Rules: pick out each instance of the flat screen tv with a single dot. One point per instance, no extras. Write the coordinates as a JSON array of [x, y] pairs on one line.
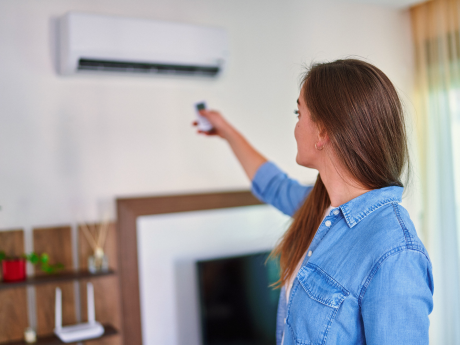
[[237, 305]]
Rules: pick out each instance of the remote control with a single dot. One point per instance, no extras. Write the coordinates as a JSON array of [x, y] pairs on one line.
[[203, 124]]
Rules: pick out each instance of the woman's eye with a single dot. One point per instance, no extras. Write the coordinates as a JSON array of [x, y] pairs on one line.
[[296, 112]]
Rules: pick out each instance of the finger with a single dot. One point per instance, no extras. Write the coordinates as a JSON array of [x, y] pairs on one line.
[[206, 113], [208, 133]]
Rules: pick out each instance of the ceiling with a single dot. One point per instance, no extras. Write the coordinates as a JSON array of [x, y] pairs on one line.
[[388, 3]]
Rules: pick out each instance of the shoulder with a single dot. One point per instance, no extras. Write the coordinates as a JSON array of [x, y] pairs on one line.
[[371, 246], [399, 253], [390, 229]]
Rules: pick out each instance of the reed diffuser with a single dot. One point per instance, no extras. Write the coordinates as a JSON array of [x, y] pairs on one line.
[[97, 262]]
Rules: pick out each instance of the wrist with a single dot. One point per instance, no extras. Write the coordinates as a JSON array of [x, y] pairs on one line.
[[230, 133]]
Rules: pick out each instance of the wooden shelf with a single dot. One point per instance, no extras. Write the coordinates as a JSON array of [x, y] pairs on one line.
[[53, 340], [54, 278]]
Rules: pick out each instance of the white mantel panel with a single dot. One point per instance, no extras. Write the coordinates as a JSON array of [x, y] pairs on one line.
[[168, 247]]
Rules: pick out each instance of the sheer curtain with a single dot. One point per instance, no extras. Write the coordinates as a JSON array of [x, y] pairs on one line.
[[437, 51]]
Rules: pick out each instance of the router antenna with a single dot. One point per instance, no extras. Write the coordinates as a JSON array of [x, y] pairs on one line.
[[58, 309], [90, 300], [81, 331]]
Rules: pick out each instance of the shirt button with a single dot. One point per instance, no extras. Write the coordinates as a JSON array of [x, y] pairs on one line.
[[328, 223], [284, 320], [336, 212], [310, 253]]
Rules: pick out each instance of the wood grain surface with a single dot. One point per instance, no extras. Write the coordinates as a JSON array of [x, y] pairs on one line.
[[106, 289], [13, 302], [57, 243]]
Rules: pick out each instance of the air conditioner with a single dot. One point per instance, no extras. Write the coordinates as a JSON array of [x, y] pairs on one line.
[[99, 43]]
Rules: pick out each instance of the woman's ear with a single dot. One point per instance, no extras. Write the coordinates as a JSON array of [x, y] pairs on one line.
[[323, 137]]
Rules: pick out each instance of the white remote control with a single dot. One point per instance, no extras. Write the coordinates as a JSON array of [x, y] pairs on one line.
[[203, 124]]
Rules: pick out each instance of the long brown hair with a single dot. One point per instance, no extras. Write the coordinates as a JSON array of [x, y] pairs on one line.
[[359, 108]]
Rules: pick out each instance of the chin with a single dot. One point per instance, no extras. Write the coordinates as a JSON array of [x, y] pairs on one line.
[[303, 162], [299, 161]]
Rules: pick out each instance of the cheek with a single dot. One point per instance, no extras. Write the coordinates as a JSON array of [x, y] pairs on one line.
[[296, 132], [299, 134]]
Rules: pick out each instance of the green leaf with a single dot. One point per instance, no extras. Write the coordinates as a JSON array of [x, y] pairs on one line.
[[50, 269], [2, 255], [44, 258], [47, 269], [33, 258]]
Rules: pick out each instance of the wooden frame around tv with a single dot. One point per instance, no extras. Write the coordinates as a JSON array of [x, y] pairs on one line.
[[128, 209]]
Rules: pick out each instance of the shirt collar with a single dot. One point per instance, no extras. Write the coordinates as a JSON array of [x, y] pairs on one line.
[[360, 207]]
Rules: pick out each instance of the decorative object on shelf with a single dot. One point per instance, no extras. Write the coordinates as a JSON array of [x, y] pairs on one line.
[[14, 268], [43, 261], [97, 262], [30, 336], [82, 331]]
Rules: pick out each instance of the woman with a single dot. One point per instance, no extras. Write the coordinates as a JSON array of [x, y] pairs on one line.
[[353, 270]]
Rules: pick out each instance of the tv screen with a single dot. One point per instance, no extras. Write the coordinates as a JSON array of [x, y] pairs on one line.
[[237, 305]]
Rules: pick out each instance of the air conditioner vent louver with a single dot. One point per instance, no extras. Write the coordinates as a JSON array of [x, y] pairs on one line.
[[136, 67]]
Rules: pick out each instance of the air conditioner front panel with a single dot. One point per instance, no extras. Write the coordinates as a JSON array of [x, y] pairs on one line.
[[96, 37]]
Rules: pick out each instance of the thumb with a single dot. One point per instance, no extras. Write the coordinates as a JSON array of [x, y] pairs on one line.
[[205, 113]]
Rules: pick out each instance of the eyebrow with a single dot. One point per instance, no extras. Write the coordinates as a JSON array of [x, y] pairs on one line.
[[298, 101]]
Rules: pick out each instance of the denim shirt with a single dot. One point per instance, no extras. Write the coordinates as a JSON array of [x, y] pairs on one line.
[[369, 279]]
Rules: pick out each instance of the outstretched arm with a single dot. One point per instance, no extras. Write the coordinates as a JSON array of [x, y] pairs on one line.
[[249, 158], [269, 183]]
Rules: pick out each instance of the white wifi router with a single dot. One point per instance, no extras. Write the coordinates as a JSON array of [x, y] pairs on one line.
[[82, 331]]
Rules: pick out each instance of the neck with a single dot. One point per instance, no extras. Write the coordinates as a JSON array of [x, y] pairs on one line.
[[340, 187]]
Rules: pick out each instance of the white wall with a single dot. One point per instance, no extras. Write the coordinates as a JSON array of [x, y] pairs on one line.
[[70, 145]]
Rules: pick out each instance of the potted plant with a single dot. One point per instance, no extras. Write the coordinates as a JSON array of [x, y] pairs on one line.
[[14, 268]]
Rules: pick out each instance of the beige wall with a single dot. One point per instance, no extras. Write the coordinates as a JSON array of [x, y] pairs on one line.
[[70, 145]]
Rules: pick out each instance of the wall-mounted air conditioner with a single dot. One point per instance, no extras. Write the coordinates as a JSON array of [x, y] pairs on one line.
[[99, 43]]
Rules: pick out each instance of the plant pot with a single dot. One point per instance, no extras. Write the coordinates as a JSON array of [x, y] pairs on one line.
[[14, 269]]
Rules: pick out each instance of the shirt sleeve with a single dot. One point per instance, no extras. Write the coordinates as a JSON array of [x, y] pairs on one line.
[[398, 300], [272, 186]]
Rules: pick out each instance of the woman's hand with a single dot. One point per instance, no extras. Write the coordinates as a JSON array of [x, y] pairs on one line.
[[220, 126]]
